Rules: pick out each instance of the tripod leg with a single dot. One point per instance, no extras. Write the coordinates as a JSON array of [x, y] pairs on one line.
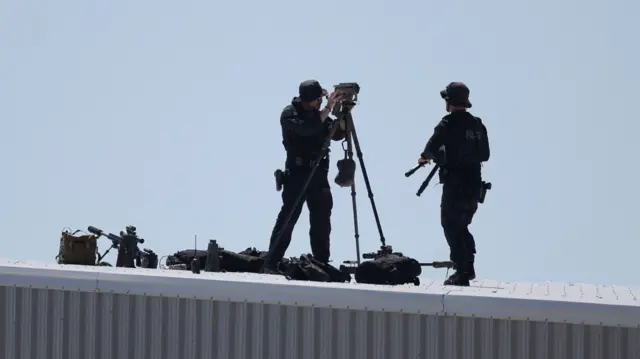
[[356, 144], [353, 194], [314, 167]]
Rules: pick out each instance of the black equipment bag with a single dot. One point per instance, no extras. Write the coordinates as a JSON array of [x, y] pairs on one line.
[[185, 257], [250, 260], [309, 269], [390, 269], [336, 275]]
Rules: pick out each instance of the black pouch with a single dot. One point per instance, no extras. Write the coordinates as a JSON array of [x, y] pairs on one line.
[[486, 186], [280, 177], [346, 172]]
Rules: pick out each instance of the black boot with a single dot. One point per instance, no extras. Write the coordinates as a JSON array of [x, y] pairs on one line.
[[472, 271], [269, 268], [458, 278]]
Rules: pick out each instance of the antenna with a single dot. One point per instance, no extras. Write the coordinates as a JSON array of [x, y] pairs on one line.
[[195, 263]]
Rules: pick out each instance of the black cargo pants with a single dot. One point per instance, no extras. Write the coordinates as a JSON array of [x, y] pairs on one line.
[[459, 205], [320, 204]]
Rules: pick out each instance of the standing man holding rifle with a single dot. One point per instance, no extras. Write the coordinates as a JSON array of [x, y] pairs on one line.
[[458, 146]]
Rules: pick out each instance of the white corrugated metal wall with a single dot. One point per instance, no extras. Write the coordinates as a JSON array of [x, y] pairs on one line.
[[54, 324]]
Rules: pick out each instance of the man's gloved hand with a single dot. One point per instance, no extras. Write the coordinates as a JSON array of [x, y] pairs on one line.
[[332, 99], [423, 161]]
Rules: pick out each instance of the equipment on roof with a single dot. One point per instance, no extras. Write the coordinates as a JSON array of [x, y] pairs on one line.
[[129, 254], [217, 259], [307, 268], [251, 260], [78, 250], [389, 268], [348, 93], [386, 267], [183, 260]]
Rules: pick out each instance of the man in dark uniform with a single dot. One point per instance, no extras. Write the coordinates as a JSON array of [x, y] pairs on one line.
[[459, 145], [305, 128]]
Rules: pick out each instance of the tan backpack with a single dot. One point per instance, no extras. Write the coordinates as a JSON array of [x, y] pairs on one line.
[[79, 250]]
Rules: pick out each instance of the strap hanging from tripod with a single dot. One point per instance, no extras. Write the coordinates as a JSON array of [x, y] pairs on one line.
[[346, 150]]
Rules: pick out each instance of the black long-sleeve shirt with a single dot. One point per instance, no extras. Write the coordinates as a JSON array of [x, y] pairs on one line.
[[303, 133]]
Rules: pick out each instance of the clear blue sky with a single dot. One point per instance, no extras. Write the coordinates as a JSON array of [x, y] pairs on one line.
[[165, 115]]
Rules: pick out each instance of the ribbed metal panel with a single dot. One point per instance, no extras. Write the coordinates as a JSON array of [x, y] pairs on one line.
[[54, 324]]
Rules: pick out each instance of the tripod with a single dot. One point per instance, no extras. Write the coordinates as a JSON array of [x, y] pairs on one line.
[[351, 139]]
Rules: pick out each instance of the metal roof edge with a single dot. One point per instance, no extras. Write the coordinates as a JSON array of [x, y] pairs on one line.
[[255, 288]]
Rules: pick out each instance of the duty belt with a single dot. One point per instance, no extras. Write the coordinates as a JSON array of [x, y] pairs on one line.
[[299, 161], [304, 161], [281, 176]]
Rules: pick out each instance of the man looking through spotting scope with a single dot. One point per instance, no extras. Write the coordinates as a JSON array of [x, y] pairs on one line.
[[458, 146], [305, 129]]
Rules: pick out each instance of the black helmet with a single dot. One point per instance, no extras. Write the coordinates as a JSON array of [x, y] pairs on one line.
[[311, 90], [456, 94]]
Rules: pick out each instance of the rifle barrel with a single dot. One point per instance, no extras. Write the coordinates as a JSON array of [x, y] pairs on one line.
[[424, 184], [95, 230], [410, 172]]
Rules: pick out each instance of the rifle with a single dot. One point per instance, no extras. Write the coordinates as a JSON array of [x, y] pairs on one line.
[[425, 183], [444, 264], [129, 253], [351, 266]]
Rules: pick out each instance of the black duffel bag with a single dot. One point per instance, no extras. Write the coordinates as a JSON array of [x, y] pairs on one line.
[[250, 260], [182, 259], [309, 269], [389, 269]]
